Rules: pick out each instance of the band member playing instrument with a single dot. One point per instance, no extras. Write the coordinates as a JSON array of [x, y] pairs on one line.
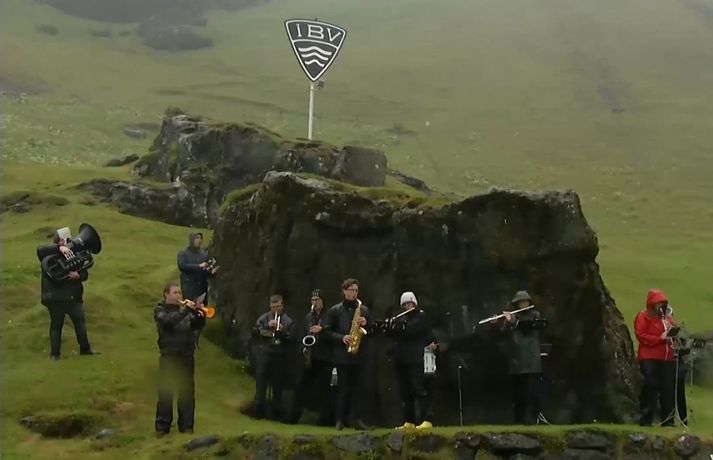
[[64, 297], [654, 330], [193, 262], [412, 332], [273, 330], [318, 364], [176, 326], [338, 324], [525, 363]]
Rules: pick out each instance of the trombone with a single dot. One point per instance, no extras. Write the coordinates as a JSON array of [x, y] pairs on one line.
[[208, 312]]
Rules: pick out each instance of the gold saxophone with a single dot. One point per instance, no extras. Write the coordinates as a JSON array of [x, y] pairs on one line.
[[356, 331]]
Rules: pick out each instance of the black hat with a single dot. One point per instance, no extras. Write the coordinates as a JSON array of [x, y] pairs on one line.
[[318, 293], [520, 295]]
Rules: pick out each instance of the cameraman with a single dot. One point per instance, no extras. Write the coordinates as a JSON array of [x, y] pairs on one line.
[[64, 297], [195, 269]]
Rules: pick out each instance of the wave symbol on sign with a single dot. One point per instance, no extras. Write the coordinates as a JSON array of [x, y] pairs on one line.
[[315, 44]]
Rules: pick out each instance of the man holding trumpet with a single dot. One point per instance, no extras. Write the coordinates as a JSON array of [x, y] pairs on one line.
[[273, 333], [176, 322]]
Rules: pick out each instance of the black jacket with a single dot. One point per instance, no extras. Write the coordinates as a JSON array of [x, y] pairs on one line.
[[522, 344], [412, 332], [337, 323], [322, 349], [265, 333], [194, 280], [176, 329], [60, 291]]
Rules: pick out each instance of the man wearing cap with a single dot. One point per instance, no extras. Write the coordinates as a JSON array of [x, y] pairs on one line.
[[64, 297], [525, 363], [317, 371], [412, 333]]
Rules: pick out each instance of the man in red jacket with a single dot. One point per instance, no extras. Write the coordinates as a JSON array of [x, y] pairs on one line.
[[657, 360]]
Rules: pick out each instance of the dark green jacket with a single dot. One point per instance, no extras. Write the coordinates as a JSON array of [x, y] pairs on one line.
[[522, 345]]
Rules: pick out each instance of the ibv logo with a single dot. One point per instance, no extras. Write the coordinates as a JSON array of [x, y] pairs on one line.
[[316, 44]]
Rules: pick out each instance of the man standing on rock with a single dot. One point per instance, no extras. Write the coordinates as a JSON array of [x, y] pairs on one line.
[[273, 330], [195, 269], [350, 372], [655, 330], [64, 297], [525, 363], [176, 341]]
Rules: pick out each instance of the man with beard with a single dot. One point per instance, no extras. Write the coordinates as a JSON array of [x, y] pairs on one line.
[[176, 343], [337, 325], [317, 372]]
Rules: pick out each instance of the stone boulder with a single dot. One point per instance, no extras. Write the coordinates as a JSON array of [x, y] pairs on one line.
[[463, 259], [194, 164]]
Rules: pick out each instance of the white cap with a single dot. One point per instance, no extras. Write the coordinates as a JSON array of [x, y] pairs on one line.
[[408, 297], [64, 233]]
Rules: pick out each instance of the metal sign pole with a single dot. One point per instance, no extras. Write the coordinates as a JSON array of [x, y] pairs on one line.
[[311, 110]]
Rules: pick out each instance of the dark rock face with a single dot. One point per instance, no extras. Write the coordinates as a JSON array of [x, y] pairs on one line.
[[464, 261], [202, 162], [355, 443], [588, 440], [687, 446], [115, 162], [201, 442], [512, 443], [174, 203]]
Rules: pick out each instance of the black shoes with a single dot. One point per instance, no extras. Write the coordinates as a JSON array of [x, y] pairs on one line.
[[90, 352], [360, 425], [54, 357], [187, 431]]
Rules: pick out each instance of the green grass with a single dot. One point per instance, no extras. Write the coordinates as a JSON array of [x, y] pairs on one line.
[[516, 93]]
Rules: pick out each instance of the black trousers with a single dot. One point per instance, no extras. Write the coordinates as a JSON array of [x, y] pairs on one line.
[[414, 394], [76, 313], [527, 395], [659, 386], [349, 391], [176, 376], [270, 371], [314, 384]]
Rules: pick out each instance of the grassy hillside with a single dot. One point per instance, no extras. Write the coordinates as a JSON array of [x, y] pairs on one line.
[[609, 98]]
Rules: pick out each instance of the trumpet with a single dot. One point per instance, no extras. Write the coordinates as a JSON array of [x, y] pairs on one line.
[[208, 312], [493, 318], [275, 338]]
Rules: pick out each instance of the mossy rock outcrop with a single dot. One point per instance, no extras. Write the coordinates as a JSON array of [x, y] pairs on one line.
[[464, 259]]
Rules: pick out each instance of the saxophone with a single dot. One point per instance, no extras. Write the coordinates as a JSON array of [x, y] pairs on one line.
[[356, 331]]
